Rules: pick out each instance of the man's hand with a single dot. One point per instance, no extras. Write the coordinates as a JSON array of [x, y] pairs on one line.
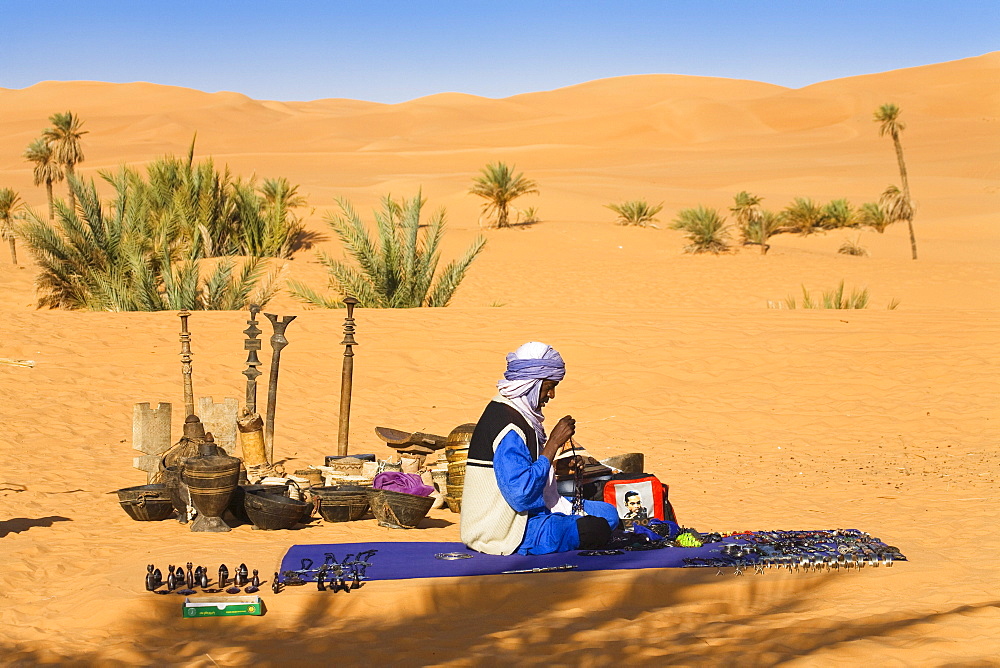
[[563, 431]]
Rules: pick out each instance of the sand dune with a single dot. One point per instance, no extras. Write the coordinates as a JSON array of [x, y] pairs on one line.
[[757, 418]]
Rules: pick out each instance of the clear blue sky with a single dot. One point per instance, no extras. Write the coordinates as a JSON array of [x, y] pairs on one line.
[[395, 51]]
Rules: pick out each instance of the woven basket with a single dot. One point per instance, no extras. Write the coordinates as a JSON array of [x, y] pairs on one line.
[[456, 479], [440, 478], [397, 510], [348, 465], [454, 505], [314, 476], [271, 512]]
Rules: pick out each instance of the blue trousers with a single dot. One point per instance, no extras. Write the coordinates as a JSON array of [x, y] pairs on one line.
[[549, 532]]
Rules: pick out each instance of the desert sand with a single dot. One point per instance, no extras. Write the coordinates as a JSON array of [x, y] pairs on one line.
[[886, 421]]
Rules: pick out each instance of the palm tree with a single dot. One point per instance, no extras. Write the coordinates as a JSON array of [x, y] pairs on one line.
[[47, 169], [636, 212], [746, 209], [895, 205], [10, 202], [704, 228], [119, 258], [888, 117], [64, 136], [396, 268], [499, 186]]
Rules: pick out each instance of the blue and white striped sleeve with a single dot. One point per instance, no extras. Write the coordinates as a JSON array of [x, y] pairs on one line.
[[521, 480]]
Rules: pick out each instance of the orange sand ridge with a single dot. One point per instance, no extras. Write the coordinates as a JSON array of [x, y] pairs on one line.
[[757, 418]]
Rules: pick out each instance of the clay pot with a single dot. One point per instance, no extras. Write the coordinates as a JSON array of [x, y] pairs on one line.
[[211, 478]]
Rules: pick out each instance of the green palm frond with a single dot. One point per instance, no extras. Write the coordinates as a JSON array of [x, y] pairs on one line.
[[393, 266], [704, 228], [636, 212]]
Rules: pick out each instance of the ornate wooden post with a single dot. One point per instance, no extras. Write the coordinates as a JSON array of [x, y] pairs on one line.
[[252, 345], [347, 377], [278, 342], [186, 363]]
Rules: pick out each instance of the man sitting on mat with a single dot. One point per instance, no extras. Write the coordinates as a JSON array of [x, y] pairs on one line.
[[510, 502]]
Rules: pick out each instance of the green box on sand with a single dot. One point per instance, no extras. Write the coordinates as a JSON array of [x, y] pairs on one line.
[[222, 606]]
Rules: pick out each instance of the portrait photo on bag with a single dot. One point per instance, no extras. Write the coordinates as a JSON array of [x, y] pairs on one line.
[[637, 500]]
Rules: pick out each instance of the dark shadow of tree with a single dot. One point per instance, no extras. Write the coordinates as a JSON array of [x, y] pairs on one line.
[[695, 624], [306, 239], [19, 524]]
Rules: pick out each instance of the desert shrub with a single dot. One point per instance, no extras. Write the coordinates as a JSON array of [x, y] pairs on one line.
[[396, 267], [636, 212], [832, 299], [704, 228], [804, 215], [852, 247], [839, 213], [761, 228], [872, 215], [529, 216], [123, 259]]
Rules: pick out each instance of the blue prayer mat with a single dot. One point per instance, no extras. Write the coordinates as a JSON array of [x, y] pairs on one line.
[[757, 550]]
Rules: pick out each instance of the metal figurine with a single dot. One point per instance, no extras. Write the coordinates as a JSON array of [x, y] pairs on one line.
[[278, 342], [252, 345], [357, 579], [186, 363], [320, 574], [275, 584], [203, 578], [223, 576], [255, 580], [171, 580], [347, 377], [244, 574], [189, 578], [151, 583]]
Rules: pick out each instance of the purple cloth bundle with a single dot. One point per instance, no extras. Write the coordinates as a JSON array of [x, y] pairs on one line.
[[407, 483]]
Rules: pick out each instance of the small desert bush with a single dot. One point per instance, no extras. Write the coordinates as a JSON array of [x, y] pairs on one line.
[[832, 299], [528, 216], [852, 247], [395, 267], [839, 213], [872, 215], [761, 228], [704, 228], [636, 212], [804, 215]]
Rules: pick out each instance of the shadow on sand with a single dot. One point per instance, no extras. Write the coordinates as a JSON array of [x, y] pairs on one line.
[[666, 617], [19, 524]]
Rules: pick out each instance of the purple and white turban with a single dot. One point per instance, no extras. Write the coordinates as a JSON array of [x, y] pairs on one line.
[[527, 367]]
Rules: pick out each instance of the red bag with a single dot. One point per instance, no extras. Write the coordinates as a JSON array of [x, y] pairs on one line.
[[638, 496]]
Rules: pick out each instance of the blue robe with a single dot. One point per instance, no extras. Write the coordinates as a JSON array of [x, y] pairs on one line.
[[521, 481]]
